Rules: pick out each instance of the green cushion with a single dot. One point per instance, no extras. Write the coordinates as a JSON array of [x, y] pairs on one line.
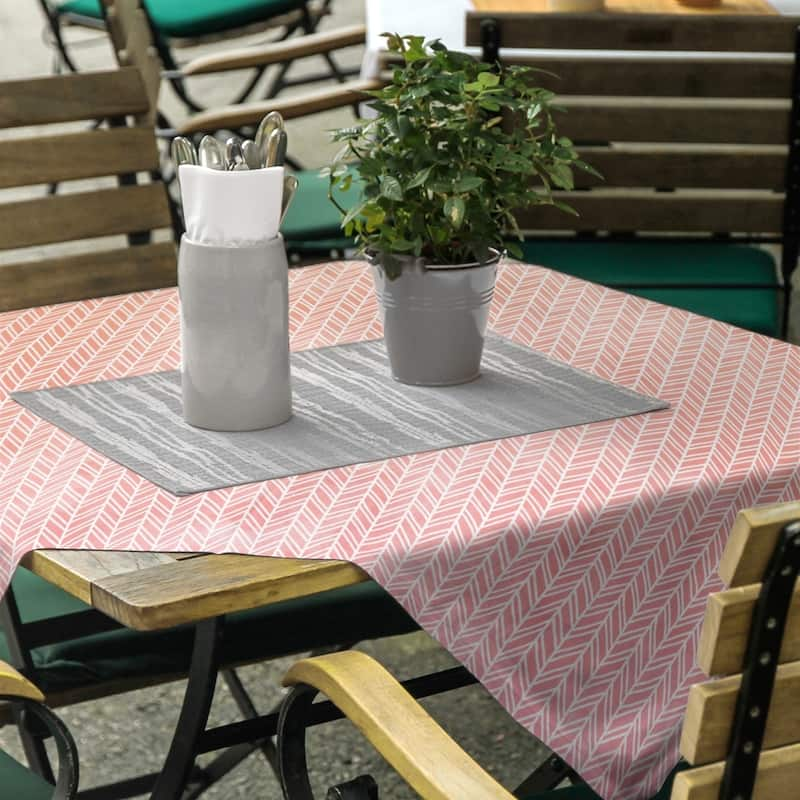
[[623, 264], [312, 219], [352, 614], [187, 18], [19, 782]]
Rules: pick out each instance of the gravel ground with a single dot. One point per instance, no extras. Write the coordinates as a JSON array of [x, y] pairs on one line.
[[127, 735]]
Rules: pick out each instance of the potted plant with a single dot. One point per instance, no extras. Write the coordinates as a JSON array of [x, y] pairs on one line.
[[442, 170]]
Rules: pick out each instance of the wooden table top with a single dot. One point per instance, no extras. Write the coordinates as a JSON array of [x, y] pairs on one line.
[[746, 7], [152, 591]]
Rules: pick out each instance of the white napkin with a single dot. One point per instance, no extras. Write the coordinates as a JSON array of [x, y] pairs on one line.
[[233, 208]]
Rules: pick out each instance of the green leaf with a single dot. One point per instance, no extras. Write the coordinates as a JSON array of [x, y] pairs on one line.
[[514, 250], [454, 211], [488, 79], [561, 206], [467, 183], [420, 178], [391, 188], [561, 175]]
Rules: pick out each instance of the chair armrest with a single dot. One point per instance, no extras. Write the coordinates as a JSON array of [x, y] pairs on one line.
[[238, 116], [397, 726], [12, 684], [311, 45]]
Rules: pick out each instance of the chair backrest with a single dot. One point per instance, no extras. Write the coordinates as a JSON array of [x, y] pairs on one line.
[[121, 203], [691, 144], [132, 37], [748, 638]]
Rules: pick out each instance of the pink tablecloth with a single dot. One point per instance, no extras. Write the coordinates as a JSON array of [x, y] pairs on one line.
[[568, 570]]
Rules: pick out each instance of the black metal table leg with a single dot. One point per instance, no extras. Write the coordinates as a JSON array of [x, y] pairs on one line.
[[194, 712]]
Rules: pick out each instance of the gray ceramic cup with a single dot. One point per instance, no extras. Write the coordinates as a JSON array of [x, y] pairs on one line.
[[435, 319], [234, 335]]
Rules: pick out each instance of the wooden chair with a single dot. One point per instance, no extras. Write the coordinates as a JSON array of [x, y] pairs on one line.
[[695, 151], [125, 207], [741, 732], [18, 781], [177, 23]]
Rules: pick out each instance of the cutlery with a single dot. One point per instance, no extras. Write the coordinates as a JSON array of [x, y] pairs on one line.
[[290, 184], [251, 154], [271, 122], [276, 148], [211, 154], [183, 151], [233, 153]]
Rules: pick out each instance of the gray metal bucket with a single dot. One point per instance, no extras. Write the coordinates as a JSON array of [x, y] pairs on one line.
[[435, 319]]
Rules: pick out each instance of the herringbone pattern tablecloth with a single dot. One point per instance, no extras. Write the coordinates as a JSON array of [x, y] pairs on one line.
[[568, 570]]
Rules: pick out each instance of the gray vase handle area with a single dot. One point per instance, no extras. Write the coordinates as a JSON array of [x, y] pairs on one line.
[[435, 320], [234, 335]]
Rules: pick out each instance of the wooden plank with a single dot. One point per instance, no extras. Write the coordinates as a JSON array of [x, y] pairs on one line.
[[85, 215], [198, 588], [691, 76], [139, 51], [635, 7], [277, 52], [12, 684], [689, 168], [72, 156], [79, 277], [752, 541], [601, 31], [709, 715], [644, 119], [235, 117], [726, 626], [75, 571], [397, 726], [639, 210], [778, 778], [76, 96]]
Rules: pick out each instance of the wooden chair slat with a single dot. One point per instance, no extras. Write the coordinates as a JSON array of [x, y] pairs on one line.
[[63, 218], [72, 156], [138, 50], [778, 777], [735, 33], [633, 210], [690, 77], [723, 637], [690, 168], [752, 541], [710, 712], [645, 119], [68, 98], [79, 277]]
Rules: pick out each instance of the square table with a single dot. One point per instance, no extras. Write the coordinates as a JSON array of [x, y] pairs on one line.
[[568, 570]]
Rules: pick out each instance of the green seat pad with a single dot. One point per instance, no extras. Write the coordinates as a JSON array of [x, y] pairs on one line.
[[312, 218], [187, 18], [354, 613], [19, 782], [660, 265]]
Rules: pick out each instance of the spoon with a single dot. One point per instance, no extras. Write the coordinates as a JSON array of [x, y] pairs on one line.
[[211, 154], [290, 184], [251, 155], [276, 148], [183, 151], [233, 153], [271, 122]]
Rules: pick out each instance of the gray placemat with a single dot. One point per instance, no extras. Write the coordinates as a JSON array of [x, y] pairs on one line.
[[347, 410]]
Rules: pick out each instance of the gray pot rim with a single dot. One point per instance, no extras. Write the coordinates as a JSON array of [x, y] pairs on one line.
[[223, 248], [374, 258]]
